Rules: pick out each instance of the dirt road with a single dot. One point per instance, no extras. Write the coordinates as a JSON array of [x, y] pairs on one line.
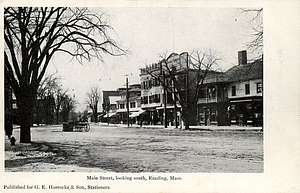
[[117, 149]]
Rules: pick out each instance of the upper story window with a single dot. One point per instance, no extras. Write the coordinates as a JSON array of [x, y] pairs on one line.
[[211, 92], [233, 91], [145, 100], [247, 88], [122, 106], [202, 93], [132, 105], [259, 87]]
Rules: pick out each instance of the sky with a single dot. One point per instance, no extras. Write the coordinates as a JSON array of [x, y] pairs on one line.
[[148, 33]]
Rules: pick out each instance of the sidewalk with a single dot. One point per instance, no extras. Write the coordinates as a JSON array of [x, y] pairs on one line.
[[204, 128]]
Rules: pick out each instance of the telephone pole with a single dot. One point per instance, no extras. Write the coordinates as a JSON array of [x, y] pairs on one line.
[[165, 100], [127, 102], [187, 124]]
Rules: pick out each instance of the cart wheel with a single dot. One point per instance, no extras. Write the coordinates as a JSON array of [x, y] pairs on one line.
[[87, 128]]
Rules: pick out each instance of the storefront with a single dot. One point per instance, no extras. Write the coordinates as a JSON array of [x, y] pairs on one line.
[[246, 111]]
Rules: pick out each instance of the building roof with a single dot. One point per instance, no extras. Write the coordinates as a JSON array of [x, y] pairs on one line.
[[243, 72], [215, 77]]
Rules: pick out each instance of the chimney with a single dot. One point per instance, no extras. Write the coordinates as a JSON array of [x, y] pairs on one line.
[[242, 56]]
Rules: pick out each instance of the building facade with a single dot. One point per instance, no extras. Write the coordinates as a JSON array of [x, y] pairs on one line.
[[213, 100], [234, 97], [160, 98], [110, 105], [245, 93], [134, 101]]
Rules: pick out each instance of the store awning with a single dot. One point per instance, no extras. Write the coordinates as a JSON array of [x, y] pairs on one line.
[[110, 115], [169, 107], [136, 114]]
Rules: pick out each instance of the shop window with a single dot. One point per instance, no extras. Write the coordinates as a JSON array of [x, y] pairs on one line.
[[258, 87], [233, 91], [247, 88]]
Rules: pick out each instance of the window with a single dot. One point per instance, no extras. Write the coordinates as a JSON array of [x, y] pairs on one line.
[[150, 83], [247, 88], [157, 98], [258, 87], [122, 106], [151, 99], [233, 91], [211, 92], [202, 93], [145, 100], [132, 105]]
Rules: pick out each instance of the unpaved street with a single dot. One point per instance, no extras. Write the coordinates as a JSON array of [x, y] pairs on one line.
[[119, 149]]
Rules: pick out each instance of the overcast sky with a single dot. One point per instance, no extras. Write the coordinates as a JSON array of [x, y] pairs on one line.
[[149, 33]]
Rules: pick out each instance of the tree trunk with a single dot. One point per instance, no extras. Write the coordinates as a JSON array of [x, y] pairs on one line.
[[95, 114], [26, 103], [186, 124], [57, 116], [185, 118]]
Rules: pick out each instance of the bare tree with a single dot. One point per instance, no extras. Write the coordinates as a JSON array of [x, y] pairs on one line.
[[33, 35], [186, 74], [46, 96], [93, 100], [59, 101], [67, 105], [48, 86], [256, 21]]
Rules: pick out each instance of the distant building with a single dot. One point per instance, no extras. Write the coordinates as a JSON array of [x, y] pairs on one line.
[[134, 92], [109, 104]]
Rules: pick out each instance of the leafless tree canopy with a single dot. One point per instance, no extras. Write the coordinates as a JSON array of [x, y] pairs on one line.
[[33, 35], [186, 74], [93, 100], [49, 86], [256, 22], [67, 104]]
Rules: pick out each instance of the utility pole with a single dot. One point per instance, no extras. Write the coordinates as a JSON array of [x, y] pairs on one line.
[[187, 91], [127, 101], [165, 100], [108, 104], [175, 108]]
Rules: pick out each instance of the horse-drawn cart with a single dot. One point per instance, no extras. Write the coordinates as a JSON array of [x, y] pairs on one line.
[[76, 126]]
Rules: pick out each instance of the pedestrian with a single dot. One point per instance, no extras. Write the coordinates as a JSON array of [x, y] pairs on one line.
[[13, 140], [141, 121], [8, 126]]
